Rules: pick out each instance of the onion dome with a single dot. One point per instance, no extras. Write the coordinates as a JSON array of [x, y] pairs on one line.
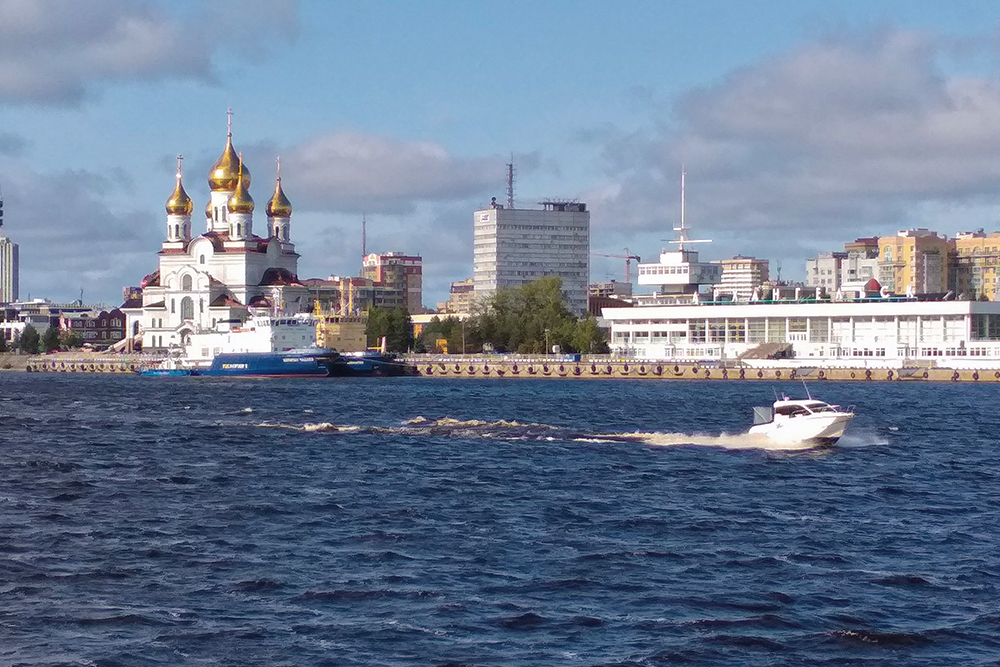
[[241, 201], [279, 206], [225, 172], [208, 209], [179, 202]]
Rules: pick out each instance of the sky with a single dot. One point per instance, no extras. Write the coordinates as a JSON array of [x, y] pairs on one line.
[[800, 124]]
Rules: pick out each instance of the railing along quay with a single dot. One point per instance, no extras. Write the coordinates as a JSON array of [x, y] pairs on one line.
[[501, 366], [587, 368], [132, 363]]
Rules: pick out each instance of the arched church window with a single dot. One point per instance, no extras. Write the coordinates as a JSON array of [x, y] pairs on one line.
[[186, 283], [187, 308], [173, 304], [201, 305], [135, 328], [201, 260]]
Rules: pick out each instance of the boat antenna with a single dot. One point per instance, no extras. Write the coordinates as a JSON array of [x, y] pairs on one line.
[[806, 387]]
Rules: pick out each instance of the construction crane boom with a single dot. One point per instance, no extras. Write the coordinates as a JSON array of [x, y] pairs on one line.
[[628, 257]]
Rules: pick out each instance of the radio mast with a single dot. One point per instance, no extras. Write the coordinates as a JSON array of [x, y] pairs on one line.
[[510, 182]]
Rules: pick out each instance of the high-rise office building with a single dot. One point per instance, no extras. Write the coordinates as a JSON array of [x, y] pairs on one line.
[[8, 271], [515, 246]]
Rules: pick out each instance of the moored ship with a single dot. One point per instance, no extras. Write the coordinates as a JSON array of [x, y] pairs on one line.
[[263, 346]]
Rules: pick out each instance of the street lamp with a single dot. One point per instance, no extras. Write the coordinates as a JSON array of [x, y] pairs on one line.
[[546, 341]]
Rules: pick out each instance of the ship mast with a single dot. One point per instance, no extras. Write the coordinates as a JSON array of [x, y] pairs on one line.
[[682, 236]]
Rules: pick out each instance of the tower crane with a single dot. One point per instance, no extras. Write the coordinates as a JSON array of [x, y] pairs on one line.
[[628, 257]]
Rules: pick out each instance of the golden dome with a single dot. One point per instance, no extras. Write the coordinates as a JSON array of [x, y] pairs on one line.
[[225, 172], [241, 201], [279, 206], [208, 209], [179, 202]]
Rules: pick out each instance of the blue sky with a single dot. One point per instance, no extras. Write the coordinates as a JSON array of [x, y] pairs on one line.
[[802, 124]]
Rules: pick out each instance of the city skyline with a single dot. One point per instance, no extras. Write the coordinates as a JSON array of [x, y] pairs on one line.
[[795, 121]]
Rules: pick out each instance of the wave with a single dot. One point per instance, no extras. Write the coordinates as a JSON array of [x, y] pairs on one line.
[[503, 429]]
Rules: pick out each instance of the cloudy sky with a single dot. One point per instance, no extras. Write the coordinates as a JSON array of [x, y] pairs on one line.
[[801, 124]]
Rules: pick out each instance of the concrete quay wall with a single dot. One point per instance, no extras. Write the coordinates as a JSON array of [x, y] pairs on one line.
[[501, 367], [506, 368], [87, 363]]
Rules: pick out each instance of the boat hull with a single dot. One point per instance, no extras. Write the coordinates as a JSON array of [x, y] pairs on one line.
[[168, 372], [273, 364], [372, 365], [819, 429]]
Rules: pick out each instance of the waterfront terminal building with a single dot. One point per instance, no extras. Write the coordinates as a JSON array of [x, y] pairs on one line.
[[878, 332]]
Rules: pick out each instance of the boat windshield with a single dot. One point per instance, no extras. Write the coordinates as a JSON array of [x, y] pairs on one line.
[[819, 406], [791, 410]]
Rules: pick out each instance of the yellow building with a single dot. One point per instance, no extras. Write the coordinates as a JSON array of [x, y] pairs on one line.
[[914, 261], [345, 333], [974, 261]]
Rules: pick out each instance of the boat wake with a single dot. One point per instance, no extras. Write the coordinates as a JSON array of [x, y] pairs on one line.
[[526, 431]]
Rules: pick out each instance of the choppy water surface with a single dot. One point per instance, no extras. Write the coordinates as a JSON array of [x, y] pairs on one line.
[[168, 521]]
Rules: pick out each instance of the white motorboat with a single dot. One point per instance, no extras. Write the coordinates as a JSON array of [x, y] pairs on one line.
[[807, 421]]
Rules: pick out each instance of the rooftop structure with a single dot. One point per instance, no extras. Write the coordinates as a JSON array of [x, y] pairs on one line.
[[679, 274]]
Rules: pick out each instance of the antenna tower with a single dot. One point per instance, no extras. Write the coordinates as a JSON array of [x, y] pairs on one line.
[[510, 182], [1, 207]]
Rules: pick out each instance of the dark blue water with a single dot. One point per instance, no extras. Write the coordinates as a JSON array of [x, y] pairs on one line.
[[190, 521]]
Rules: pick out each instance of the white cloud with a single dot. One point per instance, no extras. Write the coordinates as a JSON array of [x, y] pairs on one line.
[[850, 136], [355, 172], [58, 51], [81, 241], [12, 145]]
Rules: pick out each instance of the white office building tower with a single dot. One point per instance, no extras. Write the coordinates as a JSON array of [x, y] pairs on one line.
[[516, 246], [8, 271]]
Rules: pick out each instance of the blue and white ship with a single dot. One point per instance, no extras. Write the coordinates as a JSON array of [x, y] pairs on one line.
[[263, 346]]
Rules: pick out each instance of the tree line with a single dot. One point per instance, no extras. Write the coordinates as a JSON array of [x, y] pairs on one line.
[[30, 342], [530, 319]]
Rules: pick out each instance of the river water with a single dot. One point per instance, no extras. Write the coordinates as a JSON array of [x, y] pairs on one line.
[[414, 521]]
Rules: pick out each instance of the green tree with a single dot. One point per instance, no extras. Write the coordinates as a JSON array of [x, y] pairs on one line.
[[70, 339], [29, 340], [3, 344], [392, 323], [531, 318], [50, 339], [589, 338], [449, 329]]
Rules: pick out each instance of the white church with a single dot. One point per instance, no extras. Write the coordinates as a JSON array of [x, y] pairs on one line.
[[224, 273]]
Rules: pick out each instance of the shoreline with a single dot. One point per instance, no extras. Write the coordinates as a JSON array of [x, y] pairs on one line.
[[501, 367]]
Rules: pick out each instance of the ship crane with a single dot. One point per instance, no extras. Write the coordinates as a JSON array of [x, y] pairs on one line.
[[628, 257]]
